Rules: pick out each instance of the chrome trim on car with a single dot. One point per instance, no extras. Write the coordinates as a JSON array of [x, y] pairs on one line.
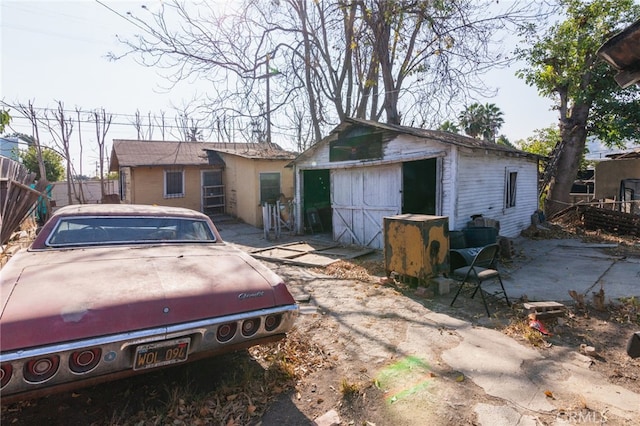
[[118, 350], [142, 336]]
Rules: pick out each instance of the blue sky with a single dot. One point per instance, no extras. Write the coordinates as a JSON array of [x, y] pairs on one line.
[[55, 50]]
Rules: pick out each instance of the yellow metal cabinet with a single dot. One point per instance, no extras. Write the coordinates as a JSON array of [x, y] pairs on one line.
[[416, 245]]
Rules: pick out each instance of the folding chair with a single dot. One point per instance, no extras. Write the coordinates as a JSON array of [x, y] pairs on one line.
[[482, 268]]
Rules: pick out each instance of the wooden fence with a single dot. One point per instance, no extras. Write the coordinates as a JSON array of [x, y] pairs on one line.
[[610, 220]]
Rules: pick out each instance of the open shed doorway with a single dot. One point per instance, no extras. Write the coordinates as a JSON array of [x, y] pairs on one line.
[[317, 201], [419, 190]]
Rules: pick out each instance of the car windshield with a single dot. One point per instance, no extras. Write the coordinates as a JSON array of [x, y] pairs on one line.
[[106, 230]]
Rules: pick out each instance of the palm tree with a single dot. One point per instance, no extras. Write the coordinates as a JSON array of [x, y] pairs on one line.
[[449, 126], [492, 122], [481, 120], [471, 120]]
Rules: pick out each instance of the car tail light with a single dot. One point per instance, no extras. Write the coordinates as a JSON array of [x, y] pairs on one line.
[[40, 369], [84, 360], [5, 374], [250, 326], [226, 332], [272, 322]]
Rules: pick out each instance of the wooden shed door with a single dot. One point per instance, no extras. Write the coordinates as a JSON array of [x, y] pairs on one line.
[[360, 198]]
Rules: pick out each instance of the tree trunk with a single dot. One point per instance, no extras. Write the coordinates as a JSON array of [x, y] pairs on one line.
[[574, 135]]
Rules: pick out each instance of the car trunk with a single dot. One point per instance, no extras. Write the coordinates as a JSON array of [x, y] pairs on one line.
[[82, 293]]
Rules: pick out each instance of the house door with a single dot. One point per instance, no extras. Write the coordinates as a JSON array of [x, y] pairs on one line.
[[419, 190], [212, 192], [360, 198]]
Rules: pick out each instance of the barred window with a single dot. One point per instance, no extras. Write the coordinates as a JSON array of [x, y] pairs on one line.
[[173, 183]]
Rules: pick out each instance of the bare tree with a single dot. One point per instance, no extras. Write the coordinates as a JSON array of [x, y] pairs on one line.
[[61, 128], [139, 124], [149, 126], [161, 122], [223, 128], [80, 193], [29, 112], [102, 122], [190, 123], [302, 134], [411, 60]]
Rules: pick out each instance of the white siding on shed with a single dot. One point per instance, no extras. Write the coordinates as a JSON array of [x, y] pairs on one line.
[[360, 198], [470, 180], [481, 190]]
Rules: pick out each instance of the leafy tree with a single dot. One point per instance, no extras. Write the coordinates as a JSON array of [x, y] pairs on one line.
[[113, 176], [563, 65], [542, 142], [5, 118], [52, 162], [481, 120]]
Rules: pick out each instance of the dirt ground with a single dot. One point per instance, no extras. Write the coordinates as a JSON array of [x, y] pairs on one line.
[[345, 360]]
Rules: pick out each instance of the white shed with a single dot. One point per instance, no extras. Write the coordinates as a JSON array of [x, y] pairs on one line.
[[365, 170]]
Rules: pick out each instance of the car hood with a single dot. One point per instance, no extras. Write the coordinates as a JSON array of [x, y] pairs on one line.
[[74, 294]]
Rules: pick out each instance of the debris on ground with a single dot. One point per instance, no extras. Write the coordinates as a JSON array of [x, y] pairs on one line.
[[536, 324]]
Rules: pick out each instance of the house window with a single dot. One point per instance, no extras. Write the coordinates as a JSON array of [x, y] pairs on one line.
[[173, 183], [510, 189], [269, 187]]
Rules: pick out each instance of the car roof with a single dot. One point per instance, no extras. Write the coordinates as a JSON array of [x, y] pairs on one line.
[[125, 209]]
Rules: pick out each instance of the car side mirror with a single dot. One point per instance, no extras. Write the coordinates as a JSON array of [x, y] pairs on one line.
[[633, 346]]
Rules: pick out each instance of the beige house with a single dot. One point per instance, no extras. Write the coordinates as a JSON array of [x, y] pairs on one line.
[[214, 178], [610, 173]]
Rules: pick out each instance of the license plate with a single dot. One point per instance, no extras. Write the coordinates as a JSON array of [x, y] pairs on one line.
[[161, 353]]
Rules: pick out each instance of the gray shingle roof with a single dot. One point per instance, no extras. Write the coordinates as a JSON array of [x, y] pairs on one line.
[[437, 135], [442, 136], [132, 153]]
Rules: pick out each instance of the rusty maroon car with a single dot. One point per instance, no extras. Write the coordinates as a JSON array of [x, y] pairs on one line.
[[106, 291]]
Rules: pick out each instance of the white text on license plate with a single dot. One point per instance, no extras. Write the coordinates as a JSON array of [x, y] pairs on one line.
[[161, 353]]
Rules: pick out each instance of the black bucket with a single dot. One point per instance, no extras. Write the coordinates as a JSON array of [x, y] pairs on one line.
[[480, 236]]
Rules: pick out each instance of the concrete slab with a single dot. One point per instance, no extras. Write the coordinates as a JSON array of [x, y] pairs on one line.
[[621, 280], [502, 415], [493, 361], [515, 375], [548, 269]]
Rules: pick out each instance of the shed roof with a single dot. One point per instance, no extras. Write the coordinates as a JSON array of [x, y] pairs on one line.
[[633, 154], [621, 51], [437, 135], [132, 153]]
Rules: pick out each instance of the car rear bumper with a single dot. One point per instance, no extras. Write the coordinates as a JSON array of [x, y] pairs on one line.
[[117, 352]]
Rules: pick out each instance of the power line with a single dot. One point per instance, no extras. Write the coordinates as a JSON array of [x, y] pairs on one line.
[[126, 18], [155, 123], [235, 129]]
